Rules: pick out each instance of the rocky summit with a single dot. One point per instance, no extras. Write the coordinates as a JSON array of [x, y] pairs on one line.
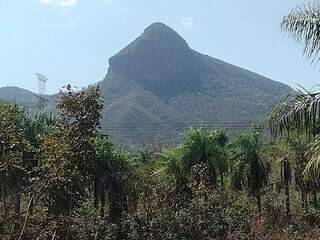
[[158, 86]]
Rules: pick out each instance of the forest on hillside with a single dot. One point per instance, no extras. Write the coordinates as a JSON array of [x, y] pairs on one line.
[[60, 178]]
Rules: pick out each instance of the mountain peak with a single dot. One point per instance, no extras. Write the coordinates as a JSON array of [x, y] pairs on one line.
[[156, 38], [159, 31], [159, 58], [158, 25]]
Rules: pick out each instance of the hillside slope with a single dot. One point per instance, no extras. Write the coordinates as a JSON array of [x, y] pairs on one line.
[[157, 86]]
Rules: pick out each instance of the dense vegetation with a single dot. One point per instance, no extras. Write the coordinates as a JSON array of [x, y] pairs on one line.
[[62, 179]]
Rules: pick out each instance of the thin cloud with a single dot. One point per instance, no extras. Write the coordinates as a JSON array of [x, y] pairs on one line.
[[188, 22], [60, 3]]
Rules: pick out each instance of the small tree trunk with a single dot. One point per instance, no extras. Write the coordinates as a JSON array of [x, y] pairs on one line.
[[303, 200], [306, 201], [17, 195], [26, 217], [31, 205], [1, 192], [115, 210], [287, 176], [259, 204], [95, 193], [103, 203], [315, 199], [222, 181]]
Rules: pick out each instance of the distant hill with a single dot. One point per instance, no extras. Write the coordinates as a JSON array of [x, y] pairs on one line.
[[17, 95], [25, 98], [157, 86]]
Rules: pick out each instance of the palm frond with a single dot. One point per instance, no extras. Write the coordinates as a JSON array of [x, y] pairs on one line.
[[312, 170], [303, 24], [300, 111]]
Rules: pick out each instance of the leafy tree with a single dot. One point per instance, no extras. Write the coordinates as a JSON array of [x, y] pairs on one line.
[[35, 129], [13, 147], [67, 156]]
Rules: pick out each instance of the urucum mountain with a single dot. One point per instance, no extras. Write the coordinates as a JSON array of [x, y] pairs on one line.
[[157, 87]]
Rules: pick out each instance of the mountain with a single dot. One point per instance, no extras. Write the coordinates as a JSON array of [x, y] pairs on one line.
[[17, 95], [26, 98], [158, 86]]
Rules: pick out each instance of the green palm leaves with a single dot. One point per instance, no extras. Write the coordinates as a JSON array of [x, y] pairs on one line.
[[248, 170], [299, 111], [303, 24], [39, 125], [201, 149], [202, 146]]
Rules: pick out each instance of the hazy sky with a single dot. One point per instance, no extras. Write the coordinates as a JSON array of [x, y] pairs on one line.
[[70, 41]]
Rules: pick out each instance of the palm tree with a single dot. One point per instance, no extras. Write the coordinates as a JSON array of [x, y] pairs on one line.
[[279, 156], [205, 147], [178, 168], [220, 154], [104, 148], [248, 171], [37, 126], [34, 129], [303, 25], [301, 110], [114, 178], [298, 145]]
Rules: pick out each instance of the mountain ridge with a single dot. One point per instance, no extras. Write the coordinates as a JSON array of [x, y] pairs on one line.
[[160, 69], [157, 86]]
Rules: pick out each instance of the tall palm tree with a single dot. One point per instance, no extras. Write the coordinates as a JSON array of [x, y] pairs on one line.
[[298, 145], [178, 168], [248, 171], [220, 154], [114, 176], [202, 146], [301, 110]]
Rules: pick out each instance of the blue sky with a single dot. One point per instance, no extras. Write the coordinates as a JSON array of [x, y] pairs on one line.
[[70, 41]]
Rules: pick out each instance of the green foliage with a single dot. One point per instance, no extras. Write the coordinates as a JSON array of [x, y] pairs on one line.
[[38, 126], [303, 25], [248, 171], [81, 186], [12, 141], [202, 150], [116, 175], [215, 218]]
